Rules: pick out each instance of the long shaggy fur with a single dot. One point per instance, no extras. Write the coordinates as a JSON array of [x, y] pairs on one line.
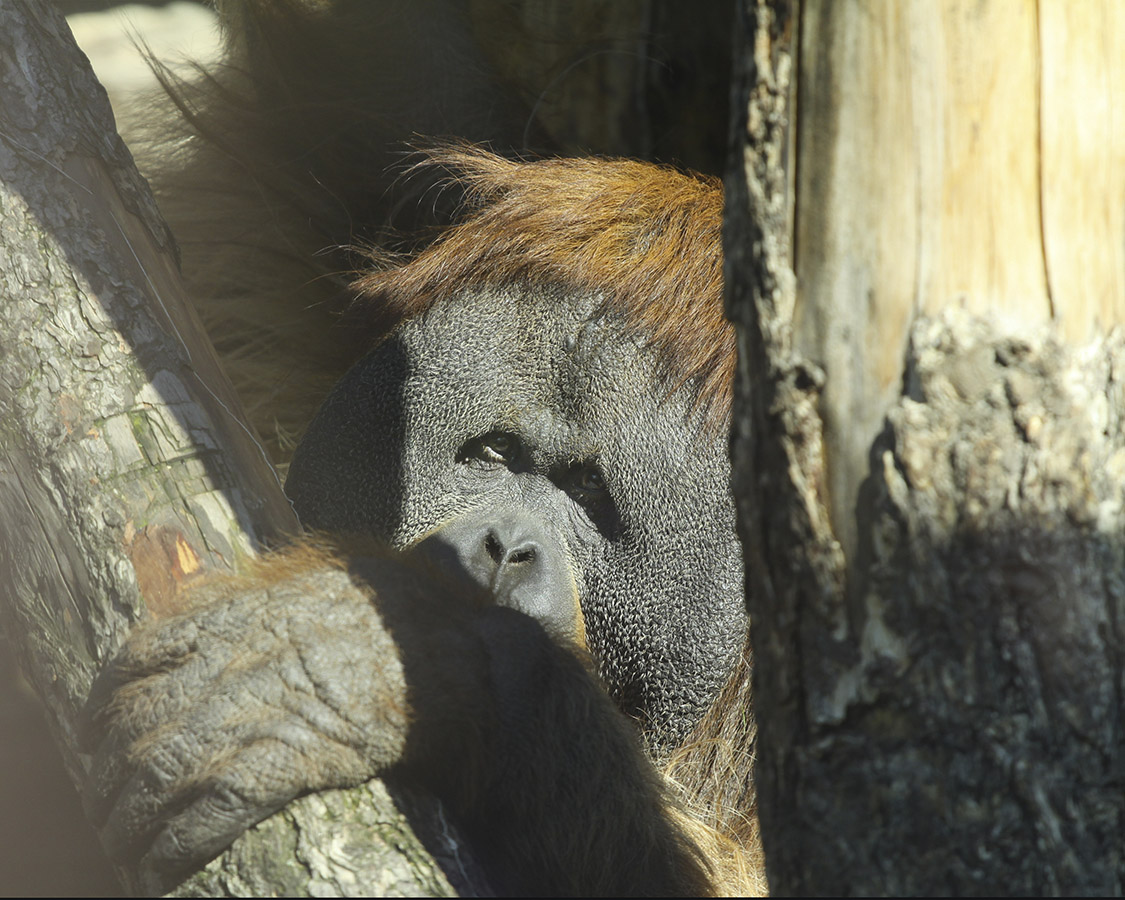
[[268, 186], [647, 238]]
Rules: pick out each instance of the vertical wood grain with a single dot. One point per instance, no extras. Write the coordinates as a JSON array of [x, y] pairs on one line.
[[968, 152], [1082, 131]]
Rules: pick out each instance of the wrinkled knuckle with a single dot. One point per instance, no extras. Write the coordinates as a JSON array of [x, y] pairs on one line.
[[232, 795]]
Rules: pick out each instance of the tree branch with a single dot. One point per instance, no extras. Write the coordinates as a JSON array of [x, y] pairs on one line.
[[126, 468]]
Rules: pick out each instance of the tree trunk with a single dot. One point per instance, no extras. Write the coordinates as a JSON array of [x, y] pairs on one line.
[[640, 78], [926, 249], [126, 472]]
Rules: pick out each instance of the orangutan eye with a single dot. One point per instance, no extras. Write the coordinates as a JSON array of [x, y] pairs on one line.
[[587, 484], [590, 479], [497, 446]]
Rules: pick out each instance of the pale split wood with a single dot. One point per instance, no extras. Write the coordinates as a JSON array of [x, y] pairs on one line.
[[963, 152], [1082, 130]]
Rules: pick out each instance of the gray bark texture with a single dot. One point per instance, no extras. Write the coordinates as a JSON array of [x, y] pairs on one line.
[[125, 470], [939, 711]]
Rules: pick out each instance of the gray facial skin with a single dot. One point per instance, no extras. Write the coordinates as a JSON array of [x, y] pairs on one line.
[[533, 419], [548, 490]]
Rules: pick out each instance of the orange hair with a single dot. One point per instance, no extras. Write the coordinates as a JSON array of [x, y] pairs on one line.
[[645, 237]]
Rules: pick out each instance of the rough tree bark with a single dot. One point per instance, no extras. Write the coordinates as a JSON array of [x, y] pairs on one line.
[[125, 473], [125, 470], [926, 260]]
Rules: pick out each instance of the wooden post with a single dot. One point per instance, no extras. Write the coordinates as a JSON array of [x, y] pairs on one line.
[[926, 255]]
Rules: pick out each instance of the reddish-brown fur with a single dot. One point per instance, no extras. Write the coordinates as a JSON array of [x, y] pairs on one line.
[[254, 225], [645, 237]]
